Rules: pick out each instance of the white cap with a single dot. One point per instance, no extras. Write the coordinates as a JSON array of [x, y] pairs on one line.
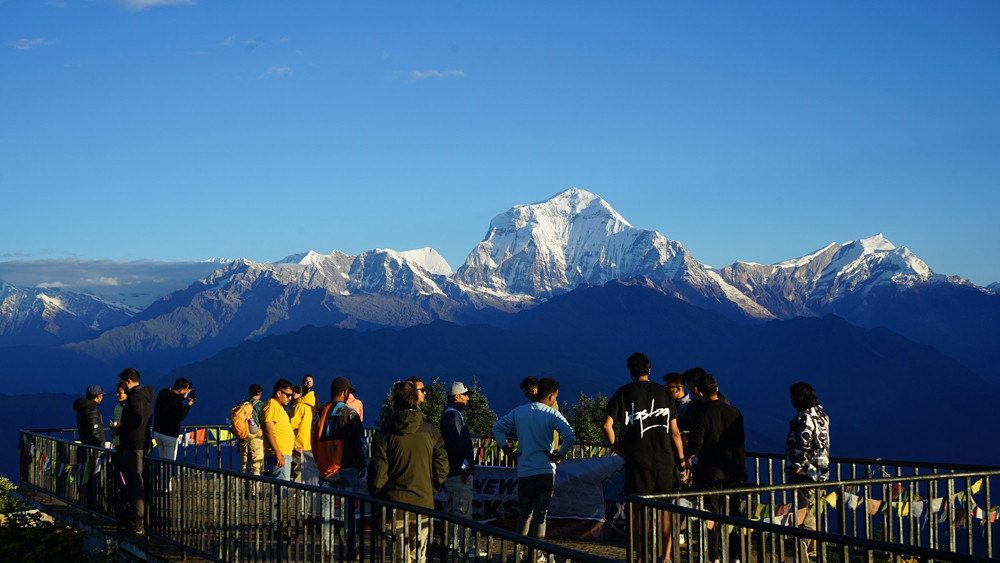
[[457, 388]]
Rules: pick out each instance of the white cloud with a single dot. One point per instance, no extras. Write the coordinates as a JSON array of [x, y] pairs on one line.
[[56, 4], [102, 280], [425, 74], [28, 44], [136, 283], [277, 71], [228, 41], [139, 5]]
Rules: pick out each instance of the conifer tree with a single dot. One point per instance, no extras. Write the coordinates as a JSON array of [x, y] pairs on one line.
[[586, 417], [478, 414]]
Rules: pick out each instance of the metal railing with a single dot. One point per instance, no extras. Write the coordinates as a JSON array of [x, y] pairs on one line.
[[215, 446], [223, 515], [740, 539], [946, 513]]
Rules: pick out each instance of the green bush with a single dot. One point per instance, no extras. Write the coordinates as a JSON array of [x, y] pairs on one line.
[[26, 536]]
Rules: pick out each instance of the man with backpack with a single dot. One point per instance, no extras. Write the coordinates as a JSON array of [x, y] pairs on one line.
[[245, 419], [341, 454]]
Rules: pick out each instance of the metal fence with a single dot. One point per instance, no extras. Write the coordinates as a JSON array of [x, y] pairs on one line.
[[215, 446], [948, 517], [223, 515]]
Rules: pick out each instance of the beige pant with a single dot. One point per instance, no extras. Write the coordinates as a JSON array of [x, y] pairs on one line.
[[251, 455], [806, 498], [409, 539]]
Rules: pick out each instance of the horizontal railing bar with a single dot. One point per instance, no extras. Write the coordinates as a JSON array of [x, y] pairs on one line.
[[826, 484], [909, 464], [802, 533]]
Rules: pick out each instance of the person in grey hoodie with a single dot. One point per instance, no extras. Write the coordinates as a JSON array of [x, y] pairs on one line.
[[408, 465]]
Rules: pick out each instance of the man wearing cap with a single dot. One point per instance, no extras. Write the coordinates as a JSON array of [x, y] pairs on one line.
[[461, 459], [89, 421], [341, 454]]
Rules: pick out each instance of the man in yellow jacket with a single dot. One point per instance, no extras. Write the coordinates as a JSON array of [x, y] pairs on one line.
[[304, 468]]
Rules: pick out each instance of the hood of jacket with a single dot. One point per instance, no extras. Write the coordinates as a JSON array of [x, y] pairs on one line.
[[307, 399], [140, 393], [405, 422], [81, 404]]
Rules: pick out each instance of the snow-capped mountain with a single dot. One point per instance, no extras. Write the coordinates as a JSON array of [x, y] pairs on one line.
[[576, 238], [531, 253], [814, 284], [30, 315], [247, 299]]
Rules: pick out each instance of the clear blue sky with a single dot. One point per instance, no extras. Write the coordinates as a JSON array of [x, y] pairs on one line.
[[757, 131]]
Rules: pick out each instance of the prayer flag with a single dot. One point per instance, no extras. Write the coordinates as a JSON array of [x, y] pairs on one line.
[[853, 500], [976, 486], [938, 505], [897, 489], [831, 499], [960, 517], [873, 506], [917, 508], [783, 510]]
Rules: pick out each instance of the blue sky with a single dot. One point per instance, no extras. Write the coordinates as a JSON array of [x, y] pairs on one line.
[[758, 131]]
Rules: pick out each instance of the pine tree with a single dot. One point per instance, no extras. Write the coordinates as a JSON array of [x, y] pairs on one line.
[[586, 417], [478, 414]]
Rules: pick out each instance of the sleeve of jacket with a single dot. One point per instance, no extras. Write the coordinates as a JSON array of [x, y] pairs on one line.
[[440, 461], [502, 428], [95, 426], [699, 427], [184, 410], [378, 472], [798, 445], [356, 432]]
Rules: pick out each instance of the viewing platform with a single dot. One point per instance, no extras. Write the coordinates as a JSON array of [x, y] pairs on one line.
[[201, 507]]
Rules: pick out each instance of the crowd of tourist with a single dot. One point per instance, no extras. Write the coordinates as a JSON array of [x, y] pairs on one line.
[[681, 434]]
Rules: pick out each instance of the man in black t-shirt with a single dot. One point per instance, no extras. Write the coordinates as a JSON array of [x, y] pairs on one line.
[[650, 441], [718, 439]]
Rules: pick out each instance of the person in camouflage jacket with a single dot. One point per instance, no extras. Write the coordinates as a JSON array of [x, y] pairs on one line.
[[807, 454]]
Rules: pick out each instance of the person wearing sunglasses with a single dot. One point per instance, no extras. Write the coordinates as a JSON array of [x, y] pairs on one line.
[[279, 438]]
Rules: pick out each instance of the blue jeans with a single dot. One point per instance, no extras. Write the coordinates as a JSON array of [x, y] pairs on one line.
[[271, 463], [533, 496]]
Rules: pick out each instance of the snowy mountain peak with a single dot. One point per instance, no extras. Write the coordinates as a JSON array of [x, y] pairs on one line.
[[428, 259], [573, 208]]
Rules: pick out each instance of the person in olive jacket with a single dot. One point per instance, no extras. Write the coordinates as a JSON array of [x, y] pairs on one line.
[[408, 465], [408, 460]]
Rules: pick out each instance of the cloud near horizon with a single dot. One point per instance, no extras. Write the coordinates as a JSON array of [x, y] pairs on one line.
[[425, 74], [136, 283]]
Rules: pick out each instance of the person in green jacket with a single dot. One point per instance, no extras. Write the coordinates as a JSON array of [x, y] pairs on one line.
[[408, 465]]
